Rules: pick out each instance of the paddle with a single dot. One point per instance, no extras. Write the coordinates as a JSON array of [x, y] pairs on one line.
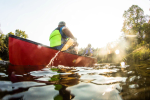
[[67, 44]]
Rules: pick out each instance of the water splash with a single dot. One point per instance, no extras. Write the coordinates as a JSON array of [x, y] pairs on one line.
[[52, 60]]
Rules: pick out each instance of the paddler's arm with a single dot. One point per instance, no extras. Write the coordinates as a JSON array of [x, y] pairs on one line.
[[68, 32]]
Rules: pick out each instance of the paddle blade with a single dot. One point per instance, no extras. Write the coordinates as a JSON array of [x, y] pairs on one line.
[[68, 44]]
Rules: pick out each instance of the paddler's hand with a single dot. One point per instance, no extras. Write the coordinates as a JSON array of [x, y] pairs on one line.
[[75, 39], [75, 42]]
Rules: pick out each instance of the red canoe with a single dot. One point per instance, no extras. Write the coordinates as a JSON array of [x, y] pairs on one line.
[[26, 52]]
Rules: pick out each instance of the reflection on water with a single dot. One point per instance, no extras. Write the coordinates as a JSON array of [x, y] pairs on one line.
[[102, 82]]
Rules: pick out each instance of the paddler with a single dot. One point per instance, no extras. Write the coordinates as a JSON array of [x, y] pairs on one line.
[[88, 51], [60, 36]]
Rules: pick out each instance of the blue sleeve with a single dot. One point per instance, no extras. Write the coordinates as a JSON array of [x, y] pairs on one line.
[[62, 34]]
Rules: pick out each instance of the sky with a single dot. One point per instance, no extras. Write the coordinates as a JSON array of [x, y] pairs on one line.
[[97, 22]]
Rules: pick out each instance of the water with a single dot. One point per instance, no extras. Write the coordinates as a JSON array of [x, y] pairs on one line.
[[101, 82]]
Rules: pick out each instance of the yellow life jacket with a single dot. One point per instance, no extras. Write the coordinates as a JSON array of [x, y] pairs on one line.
[[55, 38]]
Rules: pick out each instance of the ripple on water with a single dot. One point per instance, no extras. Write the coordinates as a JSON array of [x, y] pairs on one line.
[[9, 86], [132, 86], [35, 93], [5, 86], [46, 74], [109, 80], [89, 91], [3, 75], [43, 79], [132, 78], [43, 73], [41, 93], [14, 96], [26, 84], [83, 82], [102, 71]]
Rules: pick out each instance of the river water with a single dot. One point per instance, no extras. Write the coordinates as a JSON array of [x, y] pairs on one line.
[[101, 82]]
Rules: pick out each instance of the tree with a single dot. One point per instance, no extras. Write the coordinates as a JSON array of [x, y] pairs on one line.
[[21, 34], [146, 29], [2, 45], [6, 38], [134, 19], [4, 52]]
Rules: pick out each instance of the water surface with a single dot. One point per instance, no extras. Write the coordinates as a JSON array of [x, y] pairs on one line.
[[101, 82]]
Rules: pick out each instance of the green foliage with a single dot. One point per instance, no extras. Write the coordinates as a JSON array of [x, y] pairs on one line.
[[141, 52], [133, 23], [4, 53], [2, 44], [57, 86], [54, 69], [143, 68], [58, 97], [21, 34], [55, 78], [146, 30]]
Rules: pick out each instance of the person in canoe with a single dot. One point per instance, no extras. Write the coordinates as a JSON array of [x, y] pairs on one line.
[[60, 35], [88, 51]]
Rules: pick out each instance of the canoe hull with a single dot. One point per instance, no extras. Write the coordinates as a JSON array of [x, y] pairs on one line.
[[26, 52]]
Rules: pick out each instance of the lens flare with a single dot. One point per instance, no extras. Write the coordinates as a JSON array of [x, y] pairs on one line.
[[122, 64], [117, 51]]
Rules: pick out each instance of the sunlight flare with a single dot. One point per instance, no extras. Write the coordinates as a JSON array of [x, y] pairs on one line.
[[122, 64], [117, 51]]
